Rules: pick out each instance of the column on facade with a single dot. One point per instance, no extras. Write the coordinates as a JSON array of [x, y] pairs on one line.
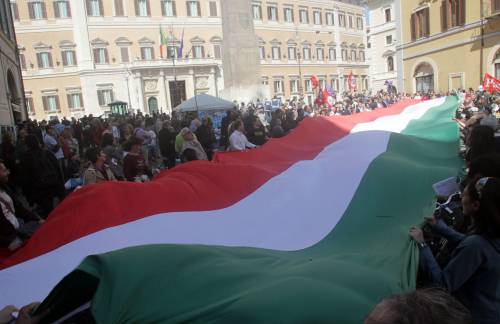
[[162, 100], [191, 83], [139, 89]]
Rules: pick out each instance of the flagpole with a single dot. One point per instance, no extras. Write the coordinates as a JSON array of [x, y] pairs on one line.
[[175, 70]]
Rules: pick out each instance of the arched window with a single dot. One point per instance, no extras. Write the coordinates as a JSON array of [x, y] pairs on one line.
[[496, 63], [390, 64], [424, 77]]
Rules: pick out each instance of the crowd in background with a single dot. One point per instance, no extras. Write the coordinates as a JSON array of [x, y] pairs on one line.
[[45, 161]]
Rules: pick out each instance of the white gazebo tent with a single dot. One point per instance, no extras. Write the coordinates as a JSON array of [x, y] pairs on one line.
[[204, 103]]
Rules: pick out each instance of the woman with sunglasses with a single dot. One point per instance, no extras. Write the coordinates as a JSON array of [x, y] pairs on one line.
[[473, 273]]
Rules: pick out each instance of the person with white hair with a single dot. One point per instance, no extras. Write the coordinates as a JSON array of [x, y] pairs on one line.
[[190, 142]]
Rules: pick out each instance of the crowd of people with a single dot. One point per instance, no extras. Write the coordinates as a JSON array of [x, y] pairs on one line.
[[48, 160]]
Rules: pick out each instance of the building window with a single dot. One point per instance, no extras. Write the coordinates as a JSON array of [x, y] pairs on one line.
[[424, 78], [119, 12], [452, 13], [257, 11], [353, 55], [317, 17], [213, 8], [37, 10], [390, 64], [388, 39], [332, 54], [279, 87], [308, 85], [22, 61], [147, 53], [217, 51], [420, 24], [294, 86], [75, 101], [104, 97], [94, 8], [341, 20], [168, 8], [30, 106], [304, 16], [288, 14], [198, 51], [361, 56], [343, 53], [62, 9], [193, 8], [388, 17], [68, 58], [142, 8], [50, 103], [495, 6], [307, 53], [351, 25], [359, 23], [292, 53], [100, 56], [329, 19], [262, 52], [276, 50], [15, 10], [124, 54], [272, 13], [320, 54], [44, 60]]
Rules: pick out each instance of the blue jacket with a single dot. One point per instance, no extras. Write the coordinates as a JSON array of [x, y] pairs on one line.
[[472, 276]]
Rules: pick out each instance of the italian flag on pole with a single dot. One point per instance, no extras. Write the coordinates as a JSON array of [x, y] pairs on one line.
[[312, 227]]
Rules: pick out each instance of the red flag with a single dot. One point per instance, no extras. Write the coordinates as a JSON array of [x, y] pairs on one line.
[[352, 84], [314, 81], [326, 95], [491, 84], [319, 98]]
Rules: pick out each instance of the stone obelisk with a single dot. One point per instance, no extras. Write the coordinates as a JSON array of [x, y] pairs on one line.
[[240, 57]]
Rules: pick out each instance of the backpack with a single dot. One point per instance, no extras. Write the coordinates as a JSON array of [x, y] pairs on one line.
[[46, 173]]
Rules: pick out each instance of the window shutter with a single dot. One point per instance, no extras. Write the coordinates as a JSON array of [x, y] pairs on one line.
[[50, 60], [112, 97], [89, 11], [31, 105], [81, 100], [16, 11], [148, 8], [462, 12], [444, 15], [174, 8], [44, 101], [413, 29], [101, 9], [188, 9], [96, 55], [64, 59], [30, 10], [124, 53], [426, 22], [68, 5], [143, 53], [39, 60], [106, 55], [58, 106], [70, 102], [119, 8], [73, 54], [56, 10], [100, 99], [269, 13], [44, 10], [162, 5], [136, 5], [260, 12], [199, 8], [22, 61]]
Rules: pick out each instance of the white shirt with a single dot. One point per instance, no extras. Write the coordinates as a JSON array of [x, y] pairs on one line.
[[6, 211], [239, 142]]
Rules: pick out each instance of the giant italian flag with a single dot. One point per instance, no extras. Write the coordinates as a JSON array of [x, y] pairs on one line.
[[312, 227]]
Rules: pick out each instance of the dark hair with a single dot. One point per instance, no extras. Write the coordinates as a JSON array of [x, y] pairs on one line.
[[484, 166], [422, 306], [237, 124], [189, 155], [487, 218], [107, 139], [481, 141], [92, 154], [131, 142], [32, 142]]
